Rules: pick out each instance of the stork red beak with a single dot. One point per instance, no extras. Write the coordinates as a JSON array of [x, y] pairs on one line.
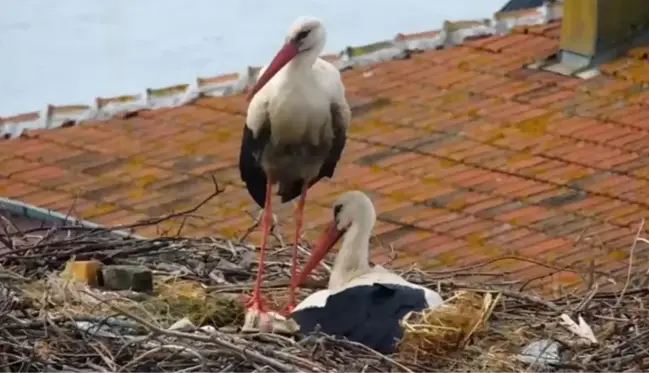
[[325, 242], [283, 56]]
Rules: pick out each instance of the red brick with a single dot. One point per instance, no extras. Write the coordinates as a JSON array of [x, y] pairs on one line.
[[554, 245], [528, 241], [44, 197], [525, 215], [395, 187], [10, 188], [484, 205], [477, 227], [585, 205], [513, 234], [10, 166], [435, 221], [461, 221]]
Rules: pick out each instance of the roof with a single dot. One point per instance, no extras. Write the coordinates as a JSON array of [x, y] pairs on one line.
[[467, 154]]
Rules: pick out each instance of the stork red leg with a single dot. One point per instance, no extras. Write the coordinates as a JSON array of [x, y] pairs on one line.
[[255, 301], [299, 210]]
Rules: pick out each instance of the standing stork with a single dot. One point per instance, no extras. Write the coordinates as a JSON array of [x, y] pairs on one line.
[[362, 303], [295, 131]]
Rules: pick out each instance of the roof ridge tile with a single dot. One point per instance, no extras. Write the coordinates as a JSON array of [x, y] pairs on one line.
[[401, 46]]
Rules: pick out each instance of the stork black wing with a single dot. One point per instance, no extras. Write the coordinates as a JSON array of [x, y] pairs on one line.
[[249, 167], [337, 146], [367, 314]]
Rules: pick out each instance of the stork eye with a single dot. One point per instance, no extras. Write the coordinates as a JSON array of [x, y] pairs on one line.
[[302, 34], [337, 210]]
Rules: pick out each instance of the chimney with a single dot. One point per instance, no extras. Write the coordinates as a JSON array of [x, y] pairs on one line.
[[597, 31]]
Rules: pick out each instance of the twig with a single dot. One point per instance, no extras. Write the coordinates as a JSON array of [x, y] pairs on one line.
[[217, 190], [6, 238], [244, 351], [256, 221], [630, 268], [378, 355]]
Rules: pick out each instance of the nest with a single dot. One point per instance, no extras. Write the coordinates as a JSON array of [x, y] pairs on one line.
[[192, 321], [438, 331]]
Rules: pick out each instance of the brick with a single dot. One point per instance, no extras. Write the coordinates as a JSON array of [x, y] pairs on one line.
[[525, 215], [45, 197], [554, 245], [563, 224], [127, 277], [10, 188], [613, 182], [10, 166], [506, 236], [396, 160], [47, 176], [461, 221], [632, 218], [410, 214], [397, 186], [584, 206], [477, 208], [621, 211], [405, 241], [528, 242], [471, 179], [435, 221], [469, 229], [121, 217], [442, 254], [85, 271]]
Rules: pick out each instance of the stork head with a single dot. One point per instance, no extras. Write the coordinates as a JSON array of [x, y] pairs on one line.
[[305, 37], [353, 208], [306, 33]]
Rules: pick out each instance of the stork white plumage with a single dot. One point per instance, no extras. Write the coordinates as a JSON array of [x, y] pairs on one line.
[[295, 130], [361, 303]]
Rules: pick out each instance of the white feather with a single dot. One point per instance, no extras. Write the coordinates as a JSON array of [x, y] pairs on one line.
[[313, 89], [378, 275], [351, 267], [315, 300]]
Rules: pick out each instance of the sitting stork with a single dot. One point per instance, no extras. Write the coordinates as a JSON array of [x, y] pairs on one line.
[[362, 303], [295, 131]]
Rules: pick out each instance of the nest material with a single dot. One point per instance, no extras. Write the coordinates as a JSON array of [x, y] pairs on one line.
[[442, 330], [173, 299], [185, 298], [50, 324]]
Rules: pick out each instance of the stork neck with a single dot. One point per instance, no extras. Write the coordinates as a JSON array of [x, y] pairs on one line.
[[353, 257], [305, 60]]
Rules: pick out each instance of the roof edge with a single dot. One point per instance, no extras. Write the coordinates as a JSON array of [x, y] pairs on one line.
[[402, 45], [34, 212]]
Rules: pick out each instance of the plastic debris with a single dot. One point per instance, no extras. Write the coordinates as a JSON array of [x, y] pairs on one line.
[[582, 329], [184, 325], [540, 354]]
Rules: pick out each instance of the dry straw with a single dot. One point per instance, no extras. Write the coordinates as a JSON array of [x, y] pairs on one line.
[[439, 331], [172, 300]]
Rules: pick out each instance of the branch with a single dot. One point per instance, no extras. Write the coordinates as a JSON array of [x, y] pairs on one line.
[[245, 351]]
